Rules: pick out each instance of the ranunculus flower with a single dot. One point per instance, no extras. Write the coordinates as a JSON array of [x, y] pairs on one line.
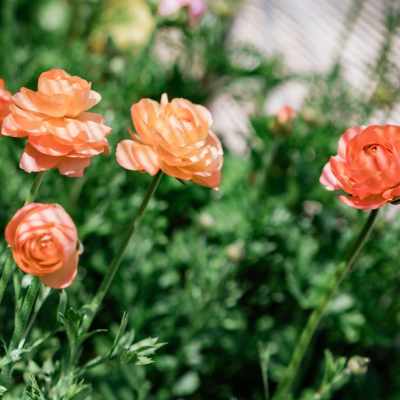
[[44, 243], [5, 101], [61, 133], [367, 166], [285, 115], [174, 137], [196, 8]]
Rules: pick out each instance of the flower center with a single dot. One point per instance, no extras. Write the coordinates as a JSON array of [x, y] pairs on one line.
[[371, 149]]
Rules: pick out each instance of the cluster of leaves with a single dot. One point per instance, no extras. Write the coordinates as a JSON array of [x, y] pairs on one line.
[[217, 285]]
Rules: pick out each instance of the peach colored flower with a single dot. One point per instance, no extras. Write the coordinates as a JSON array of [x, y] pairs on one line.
[[196, 8], [174, 137], [44, 243], [285, 115], [367, 166], [61, 133], [5, 101]]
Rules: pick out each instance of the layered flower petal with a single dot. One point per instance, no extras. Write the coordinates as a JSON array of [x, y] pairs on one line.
[[211, 180], [367, 166], [137, 157], [44, 243], [55, 120], [175, 137], [76, 91], [363, 204], [53, 106], [33, 160], [5, 101], [63, 277], [328, 178], [73, 167]]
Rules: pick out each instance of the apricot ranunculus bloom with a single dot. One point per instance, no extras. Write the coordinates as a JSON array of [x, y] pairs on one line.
[[174, 137], [60, 132], [44, 243], [367, 166], [5, 101]]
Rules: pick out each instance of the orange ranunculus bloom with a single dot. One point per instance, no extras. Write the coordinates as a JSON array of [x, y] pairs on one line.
[[367, 166], [173, 137], [61, 133], [44, 243], [5, 101]]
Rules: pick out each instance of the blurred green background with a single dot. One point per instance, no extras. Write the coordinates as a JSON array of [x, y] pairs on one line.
[[225, 279]]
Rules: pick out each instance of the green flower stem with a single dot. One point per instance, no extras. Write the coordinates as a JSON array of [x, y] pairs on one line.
[[8, 266], [23, 314], [115, 264], [285, 386], [35, 188], [24, 306], [38, 306], [8, 269]]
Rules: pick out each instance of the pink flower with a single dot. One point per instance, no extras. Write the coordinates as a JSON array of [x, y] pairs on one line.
[[196, 8]]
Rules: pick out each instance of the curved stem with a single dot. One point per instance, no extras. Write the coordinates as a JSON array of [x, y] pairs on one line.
[[23, 314], [8, 266], [8, 269], [35, 187], [106, 283], [38, 306], [285, 386]]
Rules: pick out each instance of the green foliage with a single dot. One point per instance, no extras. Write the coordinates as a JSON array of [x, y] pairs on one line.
[[216, 287]]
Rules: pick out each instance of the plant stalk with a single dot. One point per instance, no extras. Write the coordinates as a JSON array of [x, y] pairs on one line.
[[8, 266], [8, 269], [23, 314], [115, 264], [286, 385], [35, 188], [24, 306]]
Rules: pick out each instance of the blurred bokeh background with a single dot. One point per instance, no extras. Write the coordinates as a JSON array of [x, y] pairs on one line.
[[225, 279]]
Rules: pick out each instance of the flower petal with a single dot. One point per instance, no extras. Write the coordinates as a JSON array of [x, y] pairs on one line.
[[75, 91], [11, 128], [212, 181], [34, 161], [328, 178], [54, 106], [346, 138], [16, 220], [135, 156], [73, 167], [63, 277], [363, 204], [50, 145]]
